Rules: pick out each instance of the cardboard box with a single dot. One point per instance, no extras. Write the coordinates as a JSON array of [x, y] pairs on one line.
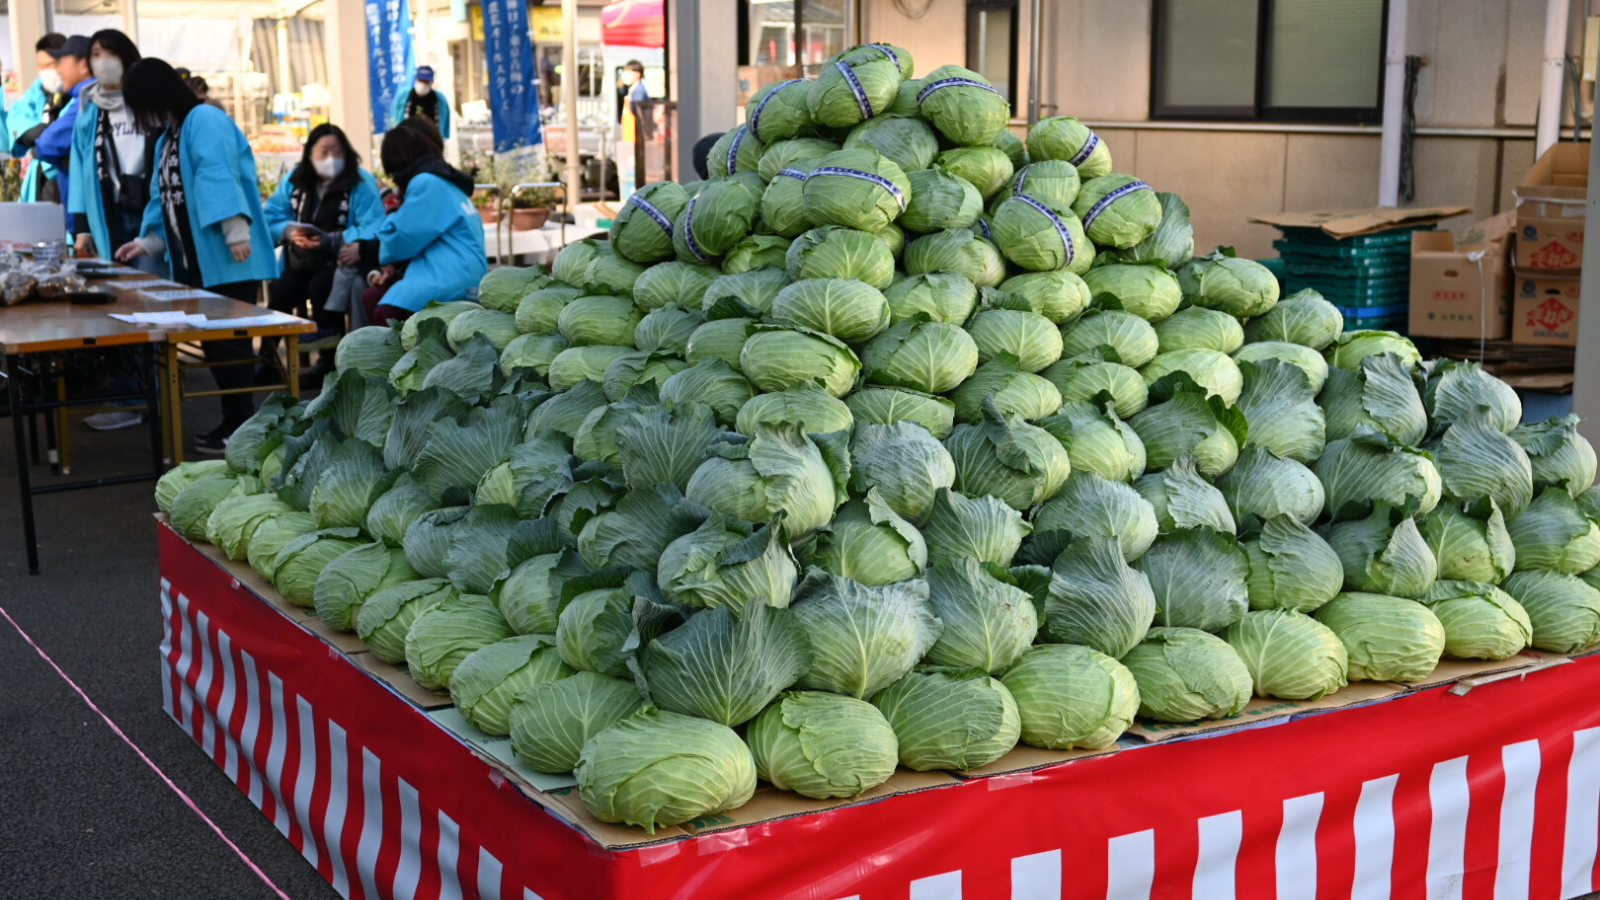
[[1544, 308], [752, 78], [1343, 223], [1550, 208], [1459, 286]]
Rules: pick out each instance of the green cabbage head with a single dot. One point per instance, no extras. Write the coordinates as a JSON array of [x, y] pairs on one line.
[[1071, 697], [1387, 638], [1185, 675], [822, 745], [658, 768]]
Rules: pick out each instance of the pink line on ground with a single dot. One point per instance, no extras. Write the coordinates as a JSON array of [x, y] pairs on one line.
[[153, 767]]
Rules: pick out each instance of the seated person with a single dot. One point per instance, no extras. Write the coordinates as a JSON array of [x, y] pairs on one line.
[[326, 202], [436, 231]]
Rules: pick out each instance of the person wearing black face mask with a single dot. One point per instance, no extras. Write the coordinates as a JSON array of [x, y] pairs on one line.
[[326, 202]]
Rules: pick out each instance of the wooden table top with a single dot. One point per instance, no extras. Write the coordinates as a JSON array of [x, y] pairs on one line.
[[44, 327]]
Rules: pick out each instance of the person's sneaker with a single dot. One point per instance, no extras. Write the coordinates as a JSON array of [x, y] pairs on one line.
[[111, 421], [210, 444]]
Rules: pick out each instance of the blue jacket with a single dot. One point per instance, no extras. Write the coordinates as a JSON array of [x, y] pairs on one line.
[[366, 209], [54, 145], [86, 197], [219, 181], [397, 110], [439, 232], [26, 113]]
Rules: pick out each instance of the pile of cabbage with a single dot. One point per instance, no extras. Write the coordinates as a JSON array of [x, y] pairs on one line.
[[898, 442]]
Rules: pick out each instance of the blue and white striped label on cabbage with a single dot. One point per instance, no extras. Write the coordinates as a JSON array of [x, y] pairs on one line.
[[755, 114], [733, 148], [1105, 202], [879, 180], [1020, 180], [1086, 150], [795, 173], [688, 231], [983, 226], [1067, 244], [888, 51], [649, 209], [850, 79], [952, 82]]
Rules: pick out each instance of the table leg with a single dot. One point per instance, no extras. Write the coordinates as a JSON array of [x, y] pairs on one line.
[[63, 426], [175, 401], [52, 441], [24, 487], [153, 410], [291, 369], [158, 362]]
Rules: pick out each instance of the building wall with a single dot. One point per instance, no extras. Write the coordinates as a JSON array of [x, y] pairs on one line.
[[1483, 71]]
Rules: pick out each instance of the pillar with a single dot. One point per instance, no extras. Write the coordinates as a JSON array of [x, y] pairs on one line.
[[348, 89], [704, 65], [27, 25]]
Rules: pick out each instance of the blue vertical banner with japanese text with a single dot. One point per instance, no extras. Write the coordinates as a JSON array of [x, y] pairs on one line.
[[512, 99], [389, 55]]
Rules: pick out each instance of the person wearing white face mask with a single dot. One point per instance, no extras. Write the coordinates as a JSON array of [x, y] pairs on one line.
[[111, 156], [421, 99], [326, 202], [36, 108]]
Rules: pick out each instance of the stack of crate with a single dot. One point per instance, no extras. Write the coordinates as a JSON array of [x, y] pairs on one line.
[[1368, 276]]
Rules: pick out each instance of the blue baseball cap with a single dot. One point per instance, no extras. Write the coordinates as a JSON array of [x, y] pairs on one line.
[[425, 73]]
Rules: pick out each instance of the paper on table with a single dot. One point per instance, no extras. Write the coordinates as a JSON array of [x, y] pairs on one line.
[[254, 321], [174, 317], [139, 284], [181, 293]]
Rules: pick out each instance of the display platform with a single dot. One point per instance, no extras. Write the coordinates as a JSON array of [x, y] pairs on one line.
[[1484, 782]]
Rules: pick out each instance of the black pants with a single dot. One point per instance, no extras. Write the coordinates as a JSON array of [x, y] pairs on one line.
[[236, 408], [298, 287]]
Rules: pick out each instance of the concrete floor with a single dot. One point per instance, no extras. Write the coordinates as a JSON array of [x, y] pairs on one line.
[[80, 815]]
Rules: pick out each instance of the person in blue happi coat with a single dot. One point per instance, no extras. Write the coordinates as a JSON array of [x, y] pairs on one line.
[[329, 200], [111, 157], [204, 216], [436, 231], [53, 142], [27, 117], [421, 99]]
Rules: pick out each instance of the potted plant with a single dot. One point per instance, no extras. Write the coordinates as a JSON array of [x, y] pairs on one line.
[[488, 205], [531, 207]]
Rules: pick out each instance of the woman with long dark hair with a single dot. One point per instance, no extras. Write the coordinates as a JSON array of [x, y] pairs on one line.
[[111, 155], [204, 216], [326, 202], [436, 231]]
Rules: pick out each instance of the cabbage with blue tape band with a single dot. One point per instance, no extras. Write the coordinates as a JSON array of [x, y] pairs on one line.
[[642, 230], [859, 85], [900, 56], [1041, 235], [717, 219], [783, 209], [1118, 210], [736, 151], [1066, 138], [856, 188], [1048, 179], [781, 155], [963, 105], [780, 111]]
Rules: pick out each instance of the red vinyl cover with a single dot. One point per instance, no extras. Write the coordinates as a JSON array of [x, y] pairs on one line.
[[1431, 795]]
